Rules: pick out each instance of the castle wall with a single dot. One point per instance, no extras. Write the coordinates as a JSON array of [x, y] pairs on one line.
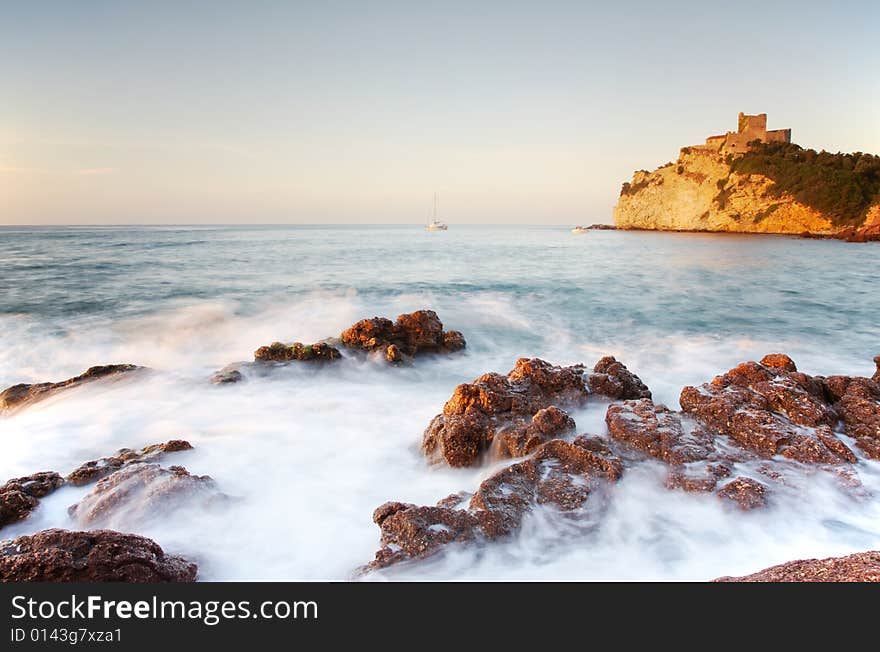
[[778, 136]]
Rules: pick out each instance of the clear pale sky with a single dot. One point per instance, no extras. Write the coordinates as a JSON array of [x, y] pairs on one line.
[[324, 112]]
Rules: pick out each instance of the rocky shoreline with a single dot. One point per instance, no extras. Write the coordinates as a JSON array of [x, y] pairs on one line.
[[739, 437]]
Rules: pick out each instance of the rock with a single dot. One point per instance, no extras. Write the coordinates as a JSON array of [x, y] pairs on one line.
[[657, 431], [97, 556], [745, 492], [96, 469], [454, 341], [612, 379], [394, 355], [559, 473], [412, 334], [477, 411], [226, 376], [18, 396], [779, 361], [876, 376], [522, 438], [19, 496], [142, 491], [278, 352], [860, 567], [858, 405], [770, 411], [695, 463]]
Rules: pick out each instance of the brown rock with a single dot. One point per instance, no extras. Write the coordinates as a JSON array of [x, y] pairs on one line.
[[453, 341], [394, 355], [96, 469], [745, 492], [657, 431], [412, 334], [23, 394], [478, 411], [142, 491], [524, 437], [97, 556], [559, 473], [860, 567], [779, 361], [612, 379], [770, 411], [876, 376], [19, 496], [278, 352], [859, 409]]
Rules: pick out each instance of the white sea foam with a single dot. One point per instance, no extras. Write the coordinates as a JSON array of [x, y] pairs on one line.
[[311, 452]]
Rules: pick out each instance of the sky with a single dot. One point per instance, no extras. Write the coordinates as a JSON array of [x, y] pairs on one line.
[[115, 112]]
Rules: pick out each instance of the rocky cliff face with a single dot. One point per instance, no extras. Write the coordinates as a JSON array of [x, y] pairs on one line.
[[700, 192]]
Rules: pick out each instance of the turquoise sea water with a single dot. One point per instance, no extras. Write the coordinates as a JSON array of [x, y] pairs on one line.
[[312, 453]]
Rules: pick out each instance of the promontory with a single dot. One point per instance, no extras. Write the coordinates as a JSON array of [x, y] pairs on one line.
[[756, 181]]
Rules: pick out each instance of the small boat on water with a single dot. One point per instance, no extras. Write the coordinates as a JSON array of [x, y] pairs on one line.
[[436, 225], [579, 229]]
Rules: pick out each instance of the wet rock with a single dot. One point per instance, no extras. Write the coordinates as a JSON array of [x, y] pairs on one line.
[[20, 496], [860, 567], [657, 431], [394, 355], [477, 411], [412, 334], [876, 376], [97, 556], [278, 352], [612, 379], [141, 491], [746, 493], [227, 376], [20, 395], [524, 437], [97, 469], [454, 341], [770, 411], [779, 361], [559, 473], [859, 410]]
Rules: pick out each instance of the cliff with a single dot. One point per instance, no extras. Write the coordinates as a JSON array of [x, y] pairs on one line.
[[771, 188]]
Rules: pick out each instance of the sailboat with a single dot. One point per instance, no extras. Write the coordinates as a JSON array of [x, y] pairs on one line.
[[436, 225]]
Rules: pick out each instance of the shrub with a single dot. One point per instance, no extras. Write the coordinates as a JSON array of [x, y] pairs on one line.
[[843, 186]]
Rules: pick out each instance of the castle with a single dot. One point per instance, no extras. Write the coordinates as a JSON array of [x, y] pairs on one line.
[[749, 128]]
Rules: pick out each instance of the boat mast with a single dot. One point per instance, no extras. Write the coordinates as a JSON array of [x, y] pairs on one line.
[[435, 206]]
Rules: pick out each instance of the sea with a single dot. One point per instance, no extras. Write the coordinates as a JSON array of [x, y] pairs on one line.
[[309, 452]]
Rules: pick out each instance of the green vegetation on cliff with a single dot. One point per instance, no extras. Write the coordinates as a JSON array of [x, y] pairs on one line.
[[843, 186]]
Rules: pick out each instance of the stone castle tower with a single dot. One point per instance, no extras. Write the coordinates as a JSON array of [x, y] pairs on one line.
[[749, 128]]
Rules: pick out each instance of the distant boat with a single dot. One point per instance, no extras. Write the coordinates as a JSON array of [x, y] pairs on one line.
[[579, 229], [436, 225]]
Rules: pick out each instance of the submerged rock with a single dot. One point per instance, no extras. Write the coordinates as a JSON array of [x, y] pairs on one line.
[[278, 352], [559, 473], [143, 491], [20, 496], [745, 492], [97, 469], [20, 395], [411, 335], [860, 567], [227, 375], [478, 411], [97, 556]]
